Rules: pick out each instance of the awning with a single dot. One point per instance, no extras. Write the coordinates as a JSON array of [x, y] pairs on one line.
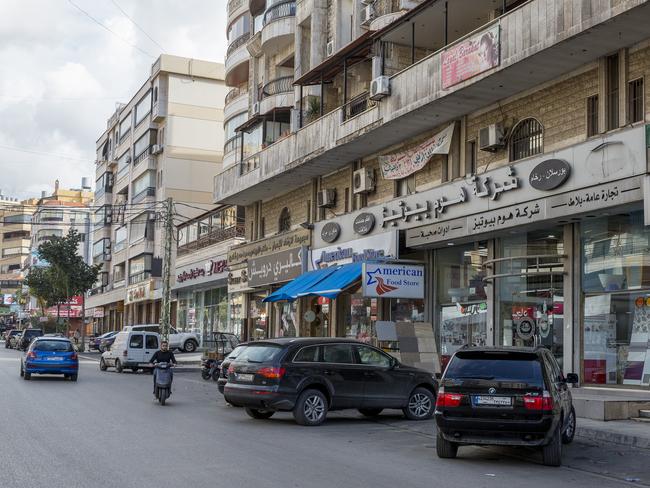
[[330, 287], [300, 284]]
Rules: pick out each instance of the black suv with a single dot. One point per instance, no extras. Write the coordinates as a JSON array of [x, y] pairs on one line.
[[310, 376], [225, 364], [505, 396], [26, 338]]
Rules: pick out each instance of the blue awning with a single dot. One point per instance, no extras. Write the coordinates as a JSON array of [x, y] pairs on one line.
[[301, 283], [332, 285]]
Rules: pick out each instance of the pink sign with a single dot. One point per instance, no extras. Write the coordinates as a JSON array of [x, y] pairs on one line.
[[470, 57]]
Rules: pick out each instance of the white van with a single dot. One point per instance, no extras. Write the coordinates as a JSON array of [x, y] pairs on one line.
[[131, 349]]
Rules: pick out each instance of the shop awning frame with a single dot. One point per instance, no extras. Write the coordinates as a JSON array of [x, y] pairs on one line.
[[334, 284], [290, 291]]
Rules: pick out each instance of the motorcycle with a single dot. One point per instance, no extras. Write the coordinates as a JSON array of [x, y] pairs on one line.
[[210, 369], [163, 382]]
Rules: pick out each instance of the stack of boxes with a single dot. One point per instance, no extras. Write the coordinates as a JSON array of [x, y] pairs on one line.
[[417, 345]]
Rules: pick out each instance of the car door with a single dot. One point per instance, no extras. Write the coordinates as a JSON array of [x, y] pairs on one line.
[[151, 346], [136, 348], [555, 372], [384, 386], [174, 339], [345, 376]]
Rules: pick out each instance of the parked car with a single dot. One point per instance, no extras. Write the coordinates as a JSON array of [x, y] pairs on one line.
[[26, 337], [184, 341], [311, 376], [106, 343], [96, 341], [11, 337], [131, 349], [223, 370], [50, 355], [505, 396]]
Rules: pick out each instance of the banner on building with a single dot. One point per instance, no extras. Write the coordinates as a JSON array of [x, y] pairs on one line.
[[470, 57], [393, 280], [404, 163]]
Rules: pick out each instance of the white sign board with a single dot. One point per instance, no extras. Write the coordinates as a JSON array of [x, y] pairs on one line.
[[393, 280], [373, 248]]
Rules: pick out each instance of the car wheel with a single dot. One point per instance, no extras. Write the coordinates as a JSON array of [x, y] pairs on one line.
[[420, 405], [370, 412], [570, 428], [73, 377], [311, 408], [102, 365], [259, 414], [444, 448], [118, 366], [552, 452], [190, 346], [27, 376]]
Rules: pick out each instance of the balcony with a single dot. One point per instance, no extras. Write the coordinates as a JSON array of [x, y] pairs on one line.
[[279, 26], [237, 59], [122, 183], [276, 93], [536, 46], [235, 8], [144, 194], [236, 102], [214, 237]]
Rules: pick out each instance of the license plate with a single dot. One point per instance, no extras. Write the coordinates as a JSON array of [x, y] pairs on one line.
[[54, 358], [493, 400], [244, 377]]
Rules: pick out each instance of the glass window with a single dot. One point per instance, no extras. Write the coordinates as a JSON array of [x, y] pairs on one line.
[[338, 353], [372, 357], [55, 346], [253, 141], [231, 124], [260, 353], [140, 264], [288, 319], [307, 355], [612, 91], [238, 28], [146, 180], [635, 100], [123, 162], [141, 144], [527, 139], [152, 342], [125, 126], [120, 238], [141, 227], [501, 367], [143, 108], [136, 341], [592, 116], [204, 227]]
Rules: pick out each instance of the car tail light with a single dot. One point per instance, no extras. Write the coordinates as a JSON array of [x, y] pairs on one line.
[[231, 370], [31, 355], [542, 402], [448, 400], [271, 373], [74, 356]]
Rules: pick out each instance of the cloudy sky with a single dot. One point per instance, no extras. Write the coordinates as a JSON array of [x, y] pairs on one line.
[[62, 73]]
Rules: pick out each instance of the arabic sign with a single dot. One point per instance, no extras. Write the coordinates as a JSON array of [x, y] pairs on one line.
[[297, 238], [98, 313], [364, 223], [393, 280], [205, 271], [450, 229], [549, 174], [238, 280], [330, 232], [404, 163], [276, 268], [373, 248], [470, 57], [139, 293], [506, 217]]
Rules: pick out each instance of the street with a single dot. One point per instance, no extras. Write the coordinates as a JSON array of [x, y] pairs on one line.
[[107, 430]]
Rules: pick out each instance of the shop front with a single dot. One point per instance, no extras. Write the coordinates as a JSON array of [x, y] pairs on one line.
[[142, 303]]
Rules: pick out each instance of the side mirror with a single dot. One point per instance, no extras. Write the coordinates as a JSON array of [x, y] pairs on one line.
[[394, 363], [572, 378]]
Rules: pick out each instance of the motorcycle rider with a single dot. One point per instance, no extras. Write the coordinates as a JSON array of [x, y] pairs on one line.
[[164, 355]]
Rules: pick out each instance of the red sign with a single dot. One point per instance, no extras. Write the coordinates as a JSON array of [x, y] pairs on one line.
[[470, 57]]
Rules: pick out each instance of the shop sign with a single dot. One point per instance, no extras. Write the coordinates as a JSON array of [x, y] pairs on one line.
[[393, 280], [211, 267], [363, 223], [330, 232], [549, 174], [283, 242], [470, 57], [374, 248], [98, 313], [238, 280], [276, 268], [139, 293]]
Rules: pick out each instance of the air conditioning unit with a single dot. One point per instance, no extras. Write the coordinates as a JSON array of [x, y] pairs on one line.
[[380, 88], [363, 181], [326, 198], [330, 48], [156, 149], [367, 14], [256, 108], [491, 138]]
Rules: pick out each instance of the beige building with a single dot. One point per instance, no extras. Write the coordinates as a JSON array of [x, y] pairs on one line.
[[498, 145], [166, 142]]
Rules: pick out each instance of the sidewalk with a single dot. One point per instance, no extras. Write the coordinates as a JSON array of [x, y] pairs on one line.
[[625, 432]]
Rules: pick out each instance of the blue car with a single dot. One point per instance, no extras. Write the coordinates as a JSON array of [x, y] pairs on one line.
[[50, 355]]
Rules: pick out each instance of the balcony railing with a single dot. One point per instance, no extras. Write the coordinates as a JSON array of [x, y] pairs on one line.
[[139, 277], [234, 93], [142, 156], [279, 10], [214, 237], [232, 144], [234, 5], [147, 192], [249, 164], [277, 86], [240, 41], [356, 106]]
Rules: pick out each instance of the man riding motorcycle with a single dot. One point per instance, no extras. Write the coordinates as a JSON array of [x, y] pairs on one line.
[[164, 355]]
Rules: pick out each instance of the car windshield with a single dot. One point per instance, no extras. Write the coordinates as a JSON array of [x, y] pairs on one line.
[[262, 353], [53, 346], [236, 352], [503, 367]]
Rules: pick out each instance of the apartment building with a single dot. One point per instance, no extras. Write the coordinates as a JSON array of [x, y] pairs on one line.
[[486, 159], [166, 142]]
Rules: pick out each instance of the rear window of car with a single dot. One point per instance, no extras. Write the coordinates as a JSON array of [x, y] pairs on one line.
[[55, 346], [502, 367], [30, 332], [236, 352], [262, 353]]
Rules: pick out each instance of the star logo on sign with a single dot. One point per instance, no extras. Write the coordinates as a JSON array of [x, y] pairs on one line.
[[371, 278]]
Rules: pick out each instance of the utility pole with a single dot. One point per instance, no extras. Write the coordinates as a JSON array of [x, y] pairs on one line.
[[165, 319]]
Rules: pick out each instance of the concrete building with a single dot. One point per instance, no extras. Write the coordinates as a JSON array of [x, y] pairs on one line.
[[498, 147], [166, 142]]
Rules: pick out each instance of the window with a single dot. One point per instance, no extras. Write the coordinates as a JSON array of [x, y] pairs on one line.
[[17, 219], [592, 116], [307, 355], [284, 224], [118, 273], [260, 353], [262, 228], [372, 357], [338, 353], [152, 342], [101, 247], [140, 268], [141, 227], [612, 91], [141, 145], [502, 367], [143, 183], [155, 94], [527, 139], [405, 186], [143, 108], [136, 341], [470, 158], [229, 128], [123, 163], [238, 28], [635, 100], [120, 238], [125, 127], [52, 346], [204, 227]]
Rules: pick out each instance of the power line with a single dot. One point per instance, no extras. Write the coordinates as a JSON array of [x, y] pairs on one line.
[[136, 24], [109, 29], [62, 156]]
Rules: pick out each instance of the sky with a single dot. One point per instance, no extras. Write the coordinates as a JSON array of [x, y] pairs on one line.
[[61, 74]]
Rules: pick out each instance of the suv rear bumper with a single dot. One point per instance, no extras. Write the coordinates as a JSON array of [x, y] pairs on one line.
[[256, 396]]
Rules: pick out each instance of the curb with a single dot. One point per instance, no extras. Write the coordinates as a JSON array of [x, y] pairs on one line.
[[613, 437]]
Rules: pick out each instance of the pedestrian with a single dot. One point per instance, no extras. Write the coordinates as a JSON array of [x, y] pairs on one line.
[[76, 336]]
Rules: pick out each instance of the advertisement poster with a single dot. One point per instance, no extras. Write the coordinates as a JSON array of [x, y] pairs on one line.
[[393, 280], [470, 57]]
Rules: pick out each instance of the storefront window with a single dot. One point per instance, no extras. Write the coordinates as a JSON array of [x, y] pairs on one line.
[[288, 311], [359, 317], [616, 300], [406, 310], [259, 313], [316, 317], [236, 311], [461, 314]]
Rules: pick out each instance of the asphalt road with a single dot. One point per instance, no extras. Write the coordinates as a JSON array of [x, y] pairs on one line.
[[107, 430]]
